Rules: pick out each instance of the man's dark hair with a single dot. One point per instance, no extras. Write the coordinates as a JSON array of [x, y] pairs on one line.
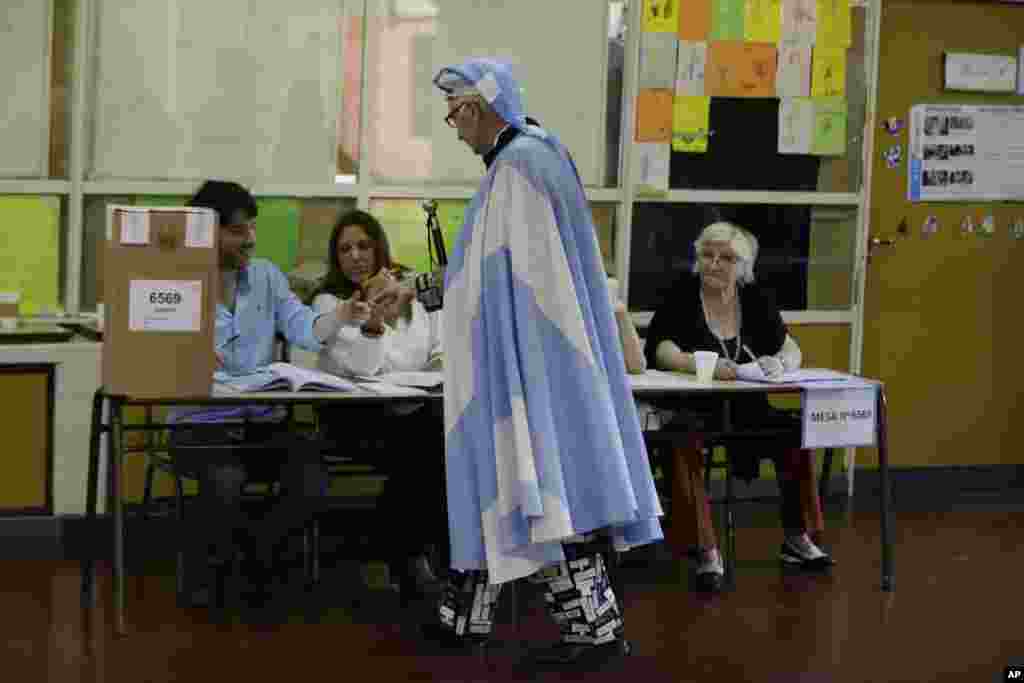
[[226, 198]]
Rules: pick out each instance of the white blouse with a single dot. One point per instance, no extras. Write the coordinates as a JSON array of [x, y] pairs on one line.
[[405, 347]]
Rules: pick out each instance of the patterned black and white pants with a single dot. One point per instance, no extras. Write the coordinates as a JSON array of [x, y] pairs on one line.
[[579, 598]]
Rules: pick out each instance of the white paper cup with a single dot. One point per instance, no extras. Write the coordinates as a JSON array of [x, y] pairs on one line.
[[705, 361], [8, 323]]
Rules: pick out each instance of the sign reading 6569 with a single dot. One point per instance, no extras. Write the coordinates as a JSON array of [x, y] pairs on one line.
[[165, 298]]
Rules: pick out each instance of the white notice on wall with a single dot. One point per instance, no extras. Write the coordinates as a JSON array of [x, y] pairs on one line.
[[966, 153], [839, 417], [199, 229], [165, 305], [134, 226]]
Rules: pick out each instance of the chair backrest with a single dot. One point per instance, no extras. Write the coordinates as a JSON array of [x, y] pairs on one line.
[[282, 349]]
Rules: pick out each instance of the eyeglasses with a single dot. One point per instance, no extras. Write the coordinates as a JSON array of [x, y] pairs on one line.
[[450, 119], [711, 257]]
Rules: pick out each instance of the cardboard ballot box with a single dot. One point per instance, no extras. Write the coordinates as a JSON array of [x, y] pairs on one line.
[[160, 269]]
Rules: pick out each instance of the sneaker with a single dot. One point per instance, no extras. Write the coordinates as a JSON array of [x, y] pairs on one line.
[[575, 657], [709, 572], [801, 553]]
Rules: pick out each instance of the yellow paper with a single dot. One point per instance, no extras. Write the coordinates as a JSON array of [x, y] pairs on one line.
[[763, 21], [828, 72], [690, 123], [834, 24], [30, 251], [661, 16]]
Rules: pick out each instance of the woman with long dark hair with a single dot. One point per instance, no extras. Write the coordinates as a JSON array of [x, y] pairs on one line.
[[396, 338]]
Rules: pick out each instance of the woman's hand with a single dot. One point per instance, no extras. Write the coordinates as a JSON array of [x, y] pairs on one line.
[[393, 292], [353, 311], [725, 369], [771, 366]]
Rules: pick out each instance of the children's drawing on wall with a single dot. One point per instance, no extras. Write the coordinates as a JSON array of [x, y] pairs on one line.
[[1017, 229], [894, 156], [930, 227], [987, 227], [893, 125]]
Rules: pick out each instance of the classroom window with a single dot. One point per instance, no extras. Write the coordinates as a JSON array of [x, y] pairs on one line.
[[409, 42], [196, 89], [351, 29], [32, 246], [806, 252], [404, 221], [25, 65]]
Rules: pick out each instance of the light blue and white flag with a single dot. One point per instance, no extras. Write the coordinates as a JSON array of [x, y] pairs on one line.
[[542, 437]]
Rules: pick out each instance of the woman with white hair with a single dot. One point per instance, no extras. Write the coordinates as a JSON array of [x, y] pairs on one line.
[[721, 309]]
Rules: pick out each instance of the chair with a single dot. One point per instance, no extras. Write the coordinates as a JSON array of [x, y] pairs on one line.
[[159, 459], [658, 442]]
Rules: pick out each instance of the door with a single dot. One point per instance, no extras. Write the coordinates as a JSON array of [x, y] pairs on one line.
[[942, 319]]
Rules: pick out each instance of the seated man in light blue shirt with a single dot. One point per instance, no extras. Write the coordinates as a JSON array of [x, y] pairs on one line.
[[247, 443]]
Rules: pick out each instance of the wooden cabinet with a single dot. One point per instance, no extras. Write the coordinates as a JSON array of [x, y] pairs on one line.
[[26, 470]]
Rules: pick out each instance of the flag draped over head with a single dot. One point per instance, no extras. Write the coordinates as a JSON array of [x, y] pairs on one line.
[[542, 437]]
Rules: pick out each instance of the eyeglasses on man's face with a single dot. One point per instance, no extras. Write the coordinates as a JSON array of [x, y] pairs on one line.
[[450, 119]]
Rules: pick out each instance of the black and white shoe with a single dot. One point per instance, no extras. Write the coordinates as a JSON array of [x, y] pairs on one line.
[[799, 552]]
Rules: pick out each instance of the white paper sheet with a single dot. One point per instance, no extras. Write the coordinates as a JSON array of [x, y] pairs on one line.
[[652, 165], [165, 305], [691, 64], [796, 125], [793, 74]]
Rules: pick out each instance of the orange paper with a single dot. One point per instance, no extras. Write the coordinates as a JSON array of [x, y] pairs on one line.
[[739, 69], [694, 19], [654, 115]]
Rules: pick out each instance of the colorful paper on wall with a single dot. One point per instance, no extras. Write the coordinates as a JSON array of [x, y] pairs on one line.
[[30, 251], [793, 76], [661, 16], [277, 231], [829, 126], [690, 124], [738, 69], [691, 65], [834, 24], [652, 164], [828, 77], [799, 21], [654, 115], [694, 19], [796, 125], [727, 19], [658, 60], [762, 21]]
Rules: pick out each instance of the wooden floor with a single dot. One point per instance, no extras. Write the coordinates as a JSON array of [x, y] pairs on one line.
[[957, 614]]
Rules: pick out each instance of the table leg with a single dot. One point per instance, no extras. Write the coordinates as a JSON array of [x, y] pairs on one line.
[[92, 483], [115, 463], [888, 579]]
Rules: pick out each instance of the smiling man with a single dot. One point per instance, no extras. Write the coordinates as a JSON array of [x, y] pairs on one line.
[[254, 305]]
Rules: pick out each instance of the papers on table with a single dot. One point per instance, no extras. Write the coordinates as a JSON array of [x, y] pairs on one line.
[[425, 379], [813, 377]]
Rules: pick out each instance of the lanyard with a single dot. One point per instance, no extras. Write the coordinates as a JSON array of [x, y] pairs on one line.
[[734, 357]]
